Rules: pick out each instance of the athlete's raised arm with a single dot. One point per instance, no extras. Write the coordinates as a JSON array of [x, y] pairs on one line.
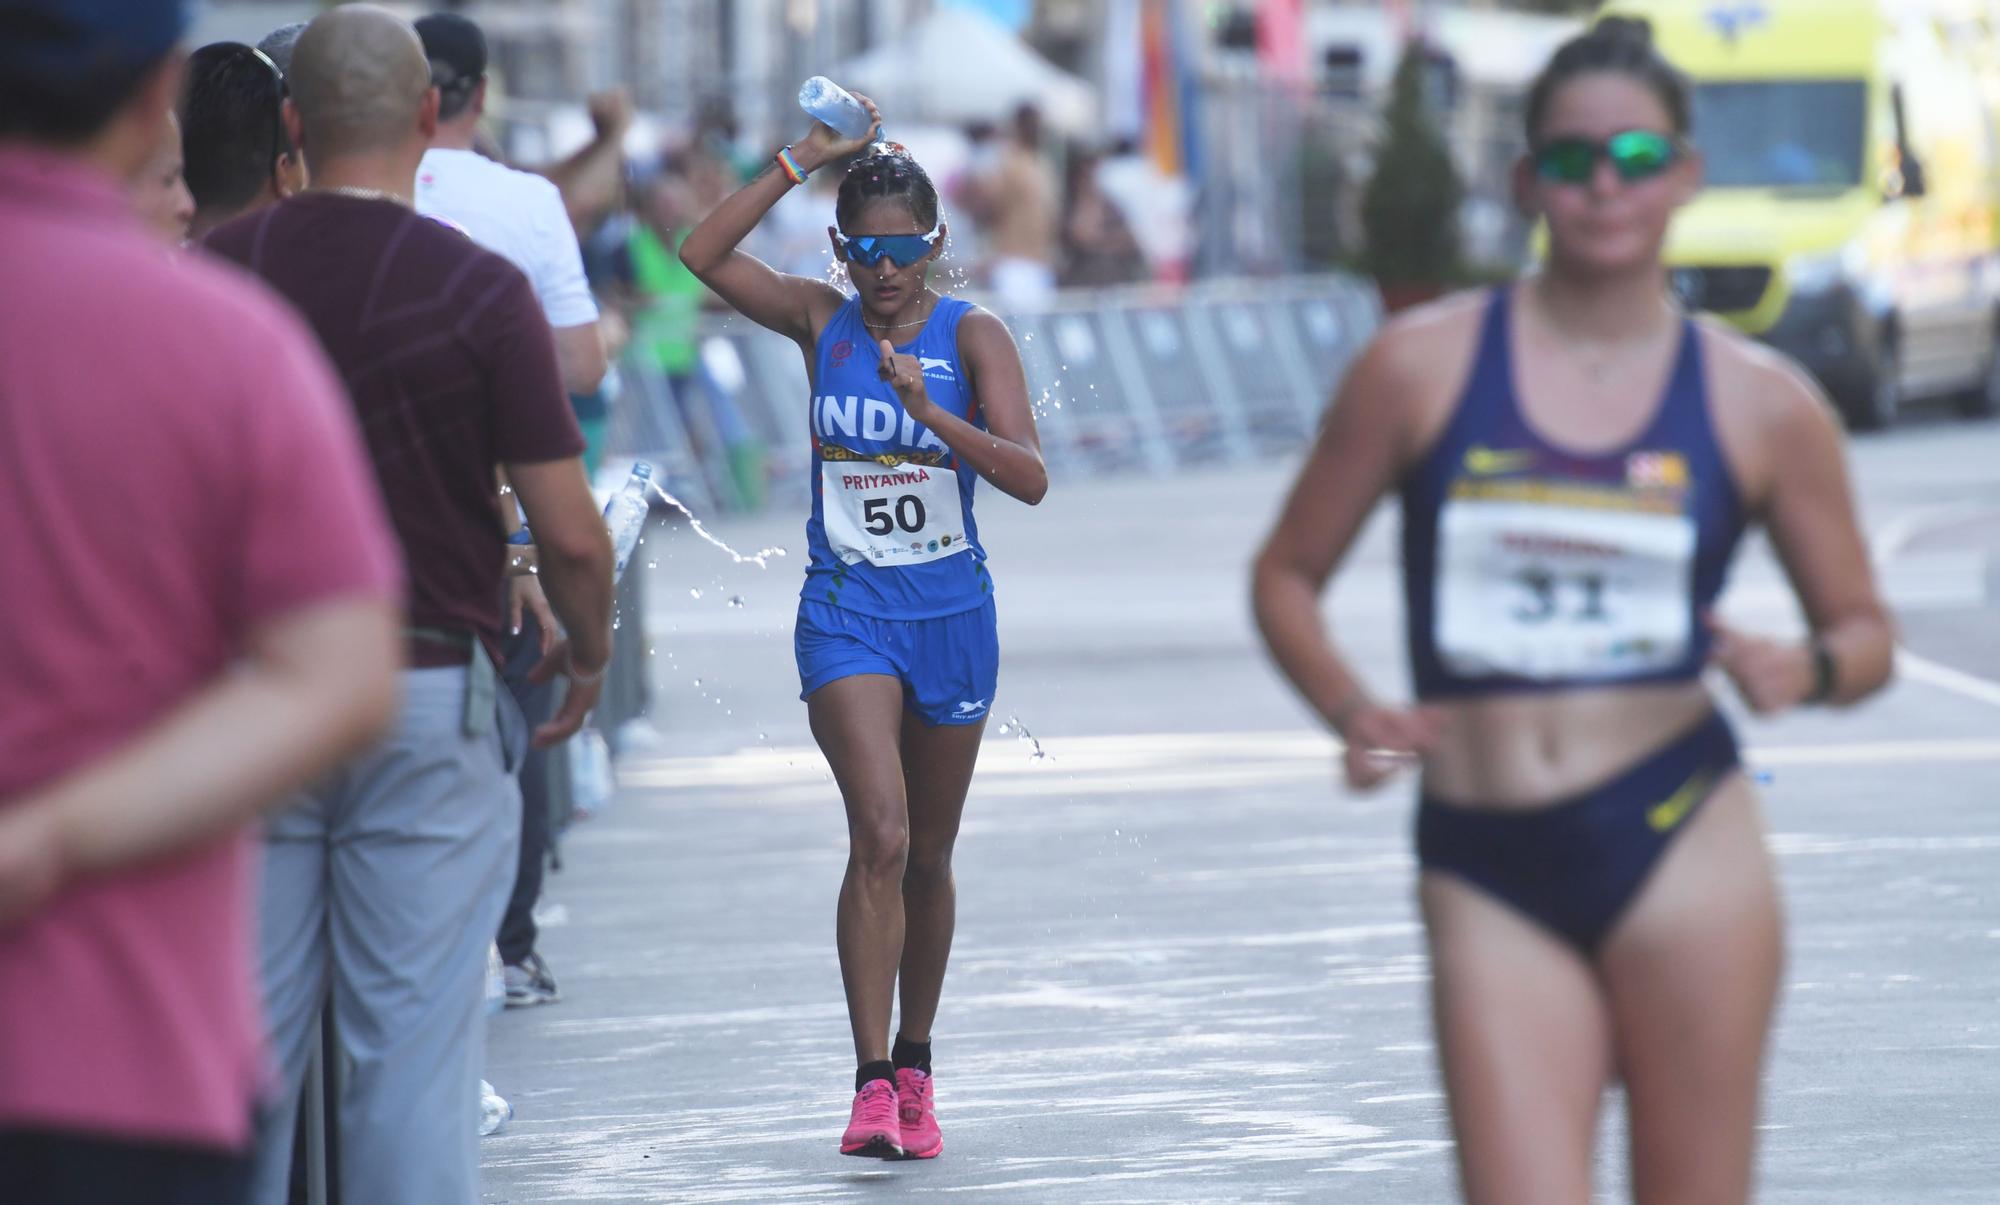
[[772, 299], [1008, 452]]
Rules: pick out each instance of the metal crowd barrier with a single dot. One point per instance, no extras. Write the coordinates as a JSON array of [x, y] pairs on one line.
[[1141, 379]]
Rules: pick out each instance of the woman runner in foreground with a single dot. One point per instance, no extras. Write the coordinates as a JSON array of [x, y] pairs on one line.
[[915, 397], [1576, 461]]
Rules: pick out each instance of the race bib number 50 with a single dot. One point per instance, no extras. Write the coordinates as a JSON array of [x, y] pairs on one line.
[[903, 514], [1539, 591]]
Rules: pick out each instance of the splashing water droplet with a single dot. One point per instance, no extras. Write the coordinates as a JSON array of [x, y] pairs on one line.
[[1022, 734], [761, 558], [652, 564], [697, 681], [693, 592], [763, 736], [736, 602], [616, 622]]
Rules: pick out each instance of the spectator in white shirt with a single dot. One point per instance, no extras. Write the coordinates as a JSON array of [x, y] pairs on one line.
[[518, 214]]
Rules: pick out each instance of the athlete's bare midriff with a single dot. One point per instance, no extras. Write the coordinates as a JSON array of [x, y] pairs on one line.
[[1521, 752]]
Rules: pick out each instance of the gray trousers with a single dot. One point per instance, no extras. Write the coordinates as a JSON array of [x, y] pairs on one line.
[[382, 888]]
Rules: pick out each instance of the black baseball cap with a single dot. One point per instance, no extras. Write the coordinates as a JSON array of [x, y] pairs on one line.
[[456, 49]]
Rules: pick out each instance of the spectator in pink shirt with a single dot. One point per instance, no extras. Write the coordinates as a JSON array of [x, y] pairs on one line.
[[193, 630]]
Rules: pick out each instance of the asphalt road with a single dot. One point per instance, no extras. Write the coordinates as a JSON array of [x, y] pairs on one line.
[[1188, 965]]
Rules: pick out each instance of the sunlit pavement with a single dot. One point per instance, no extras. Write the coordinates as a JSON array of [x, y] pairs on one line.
[[1188, 968]]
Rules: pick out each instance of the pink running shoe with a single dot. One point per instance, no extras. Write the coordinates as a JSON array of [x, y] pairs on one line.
[[918, 1114], [872, 1131]]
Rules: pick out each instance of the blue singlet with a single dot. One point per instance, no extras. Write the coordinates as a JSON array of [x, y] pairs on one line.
[[900, 541]]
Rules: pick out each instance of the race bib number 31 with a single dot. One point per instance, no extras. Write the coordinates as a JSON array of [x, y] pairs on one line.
[[903, 514], [1538, 591]]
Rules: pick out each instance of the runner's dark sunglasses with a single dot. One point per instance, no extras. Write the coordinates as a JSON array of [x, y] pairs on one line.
[[868, 249], [1634, 154]]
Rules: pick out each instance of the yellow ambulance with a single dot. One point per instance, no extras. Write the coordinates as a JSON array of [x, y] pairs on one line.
[[1853, 188]]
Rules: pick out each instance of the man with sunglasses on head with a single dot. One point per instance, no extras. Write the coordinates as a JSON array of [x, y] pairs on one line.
[[238, 156], [384, 884]]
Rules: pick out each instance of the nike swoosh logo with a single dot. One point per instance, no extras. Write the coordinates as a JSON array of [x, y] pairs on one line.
[[1662, 817]]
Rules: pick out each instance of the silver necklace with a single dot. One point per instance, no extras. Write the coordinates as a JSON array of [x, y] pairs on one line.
[[896, 326], [370, 194]]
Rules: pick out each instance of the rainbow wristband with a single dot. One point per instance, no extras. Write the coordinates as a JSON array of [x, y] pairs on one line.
[[790, 166]]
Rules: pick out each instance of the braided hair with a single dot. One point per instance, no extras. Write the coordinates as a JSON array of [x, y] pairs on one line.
[[886, 172], [1621, 46]]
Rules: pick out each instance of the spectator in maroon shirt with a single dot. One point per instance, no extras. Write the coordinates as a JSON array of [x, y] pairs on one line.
[[200, 610], [386, 884]]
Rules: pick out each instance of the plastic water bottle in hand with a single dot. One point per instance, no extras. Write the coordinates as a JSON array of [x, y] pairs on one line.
[[592, 780], [625, 515], [824, 100]]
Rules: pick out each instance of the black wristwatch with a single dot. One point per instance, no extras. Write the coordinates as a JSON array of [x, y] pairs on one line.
[[1826, 672]]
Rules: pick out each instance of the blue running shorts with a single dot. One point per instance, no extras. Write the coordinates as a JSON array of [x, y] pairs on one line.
[[949, 666]]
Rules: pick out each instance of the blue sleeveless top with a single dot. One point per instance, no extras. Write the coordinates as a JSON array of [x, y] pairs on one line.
[[887, 460], [1528, 566]]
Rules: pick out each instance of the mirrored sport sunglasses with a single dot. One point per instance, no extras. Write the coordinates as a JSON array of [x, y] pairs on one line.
[[905, 249], [1635, 155]]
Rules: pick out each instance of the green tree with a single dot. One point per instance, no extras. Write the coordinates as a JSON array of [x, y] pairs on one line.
[[1409, 209]]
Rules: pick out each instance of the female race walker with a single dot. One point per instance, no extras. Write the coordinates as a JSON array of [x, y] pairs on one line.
[[1576, 461], [915, 397]]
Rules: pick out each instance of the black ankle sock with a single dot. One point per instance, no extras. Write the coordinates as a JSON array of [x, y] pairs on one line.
[[914, 1055], [880, 1069]]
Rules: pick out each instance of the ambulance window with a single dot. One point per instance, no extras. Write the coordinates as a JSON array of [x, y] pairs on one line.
[[1782, 133]]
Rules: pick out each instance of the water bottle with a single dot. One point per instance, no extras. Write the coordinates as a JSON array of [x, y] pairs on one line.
[[496, 981], [494, 1111], [824, 100], [592, 781], [625, 515]]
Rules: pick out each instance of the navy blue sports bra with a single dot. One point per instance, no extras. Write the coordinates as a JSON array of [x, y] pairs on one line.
[[1527, 566]]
